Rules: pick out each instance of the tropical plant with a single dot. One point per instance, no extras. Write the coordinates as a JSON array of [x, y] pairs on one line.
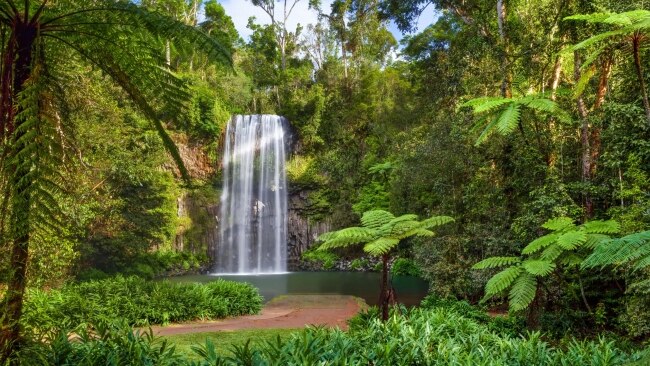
[[506, 113], [630, 27], [41, 40], [632, 250], [562, 247], [381, 232]]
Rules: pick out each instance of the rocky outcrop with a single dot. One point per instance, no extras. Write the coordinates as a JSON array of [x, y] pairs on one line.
[[301, 230]]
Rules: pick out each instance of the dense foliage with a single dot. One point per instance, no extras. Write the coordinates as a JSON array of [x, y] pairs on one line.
[[438, 335], [137, 302]]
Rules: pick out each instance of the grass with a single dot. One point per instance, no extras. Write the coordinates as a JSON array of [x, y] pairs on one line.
[[223, 340]]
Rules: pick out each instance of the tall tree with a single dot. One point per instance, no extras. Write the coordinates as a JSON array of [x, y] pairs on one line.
[[119, 38]]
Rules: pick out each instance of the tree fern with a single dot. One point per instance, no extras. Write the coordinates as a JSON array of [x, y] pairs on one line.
[[117, 37], [507, 113], [381, 232], [632, 249], [539, 259]]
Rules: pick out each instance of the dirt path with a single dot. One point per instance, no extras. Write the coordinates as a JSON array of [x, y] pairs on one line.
[[291, 311]]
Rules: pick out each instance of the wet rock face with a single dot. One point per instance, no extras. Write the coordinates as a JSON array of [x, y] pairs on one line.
[[301, 231]]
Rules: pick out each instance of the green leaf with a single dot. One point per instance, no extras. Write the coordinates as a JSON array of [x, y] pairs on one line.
[[380, 246], [538, 267], [572, 239], [509, 119], [376, 218], [552, 252], [486, 104], [501, 280], [558, 223], [602, 227], [494, 262], [523, 292], [540, 243]]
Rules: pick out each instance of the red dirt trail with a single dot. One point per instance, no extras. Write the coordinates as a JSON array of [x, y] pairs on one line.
[[291, 311]]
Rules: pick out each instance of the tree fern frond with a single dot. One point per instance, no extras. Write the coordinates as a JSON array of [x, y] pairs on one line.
[[376, 218], [380, 246], [346, 237], [538, 267], [625, 250], [540, 243], [570, 260], [523, 292], [487, 131], [552, 252], [501, 281], [572, 239], [594, 240], [559, 223], [494, 262], [486, 104], [508, 119], [596, 39], [602, 227], [436, 221]]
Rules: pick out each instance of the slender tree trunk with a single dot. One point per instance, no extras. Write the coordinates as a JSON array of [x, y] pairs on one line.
[[384, 290], [506, 84], [168, 53], [20, 202], [584, 141], [636, 43]]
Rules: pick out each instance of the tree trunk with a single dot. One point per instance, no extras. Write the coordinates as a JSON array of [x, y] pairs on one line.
[[636, 41], [584, 142], [20, 201], [506, 84], [384, 290]]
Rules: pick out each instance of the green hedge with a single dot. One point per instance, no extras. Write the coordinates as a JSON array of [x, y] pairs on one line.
[[137, 301]]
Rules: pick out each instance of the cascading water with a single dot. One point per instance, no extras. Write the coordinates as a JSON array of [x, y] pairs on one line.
[[253, 210]]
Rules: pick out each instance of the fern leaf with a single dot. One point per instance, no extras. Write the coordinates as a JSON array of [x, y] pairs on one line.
[[593, 240], [486, 104], [487, 131], [538, 267], [627, 249], [540, 243], [571, 260], [376, 218], [347, 237], [558, 223], [572, 239], [509, 119], [523, 292], [494, 262], [552, 253], [436, 221], [501, 281], [602, 227], [380, 246], [540, 104]]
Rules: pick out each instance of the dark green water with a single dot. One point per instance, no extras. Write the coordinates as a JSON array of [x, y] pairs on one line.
[[409, 290]]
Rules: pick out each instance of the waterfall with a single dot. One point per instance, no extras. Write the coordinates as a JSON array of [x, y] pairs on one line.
[[253, 214]]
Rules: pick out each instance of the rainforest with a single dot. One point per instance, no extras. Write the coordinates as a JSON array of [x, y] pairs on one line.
[[324, 182]]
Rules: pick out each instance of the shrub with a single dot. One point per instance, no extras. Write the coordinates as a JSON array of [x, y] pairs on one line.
[[326, 259], [405, 267], [137, 301]]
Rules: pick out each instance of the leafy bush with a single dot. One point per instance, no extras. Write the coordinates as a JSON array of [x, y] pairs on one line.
[[326, 259], [359, 264], [405, 267], [137, 301]]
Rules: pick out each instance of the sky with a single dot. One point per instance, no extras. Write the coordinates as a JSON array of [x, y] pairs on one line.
[[241, 10]]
